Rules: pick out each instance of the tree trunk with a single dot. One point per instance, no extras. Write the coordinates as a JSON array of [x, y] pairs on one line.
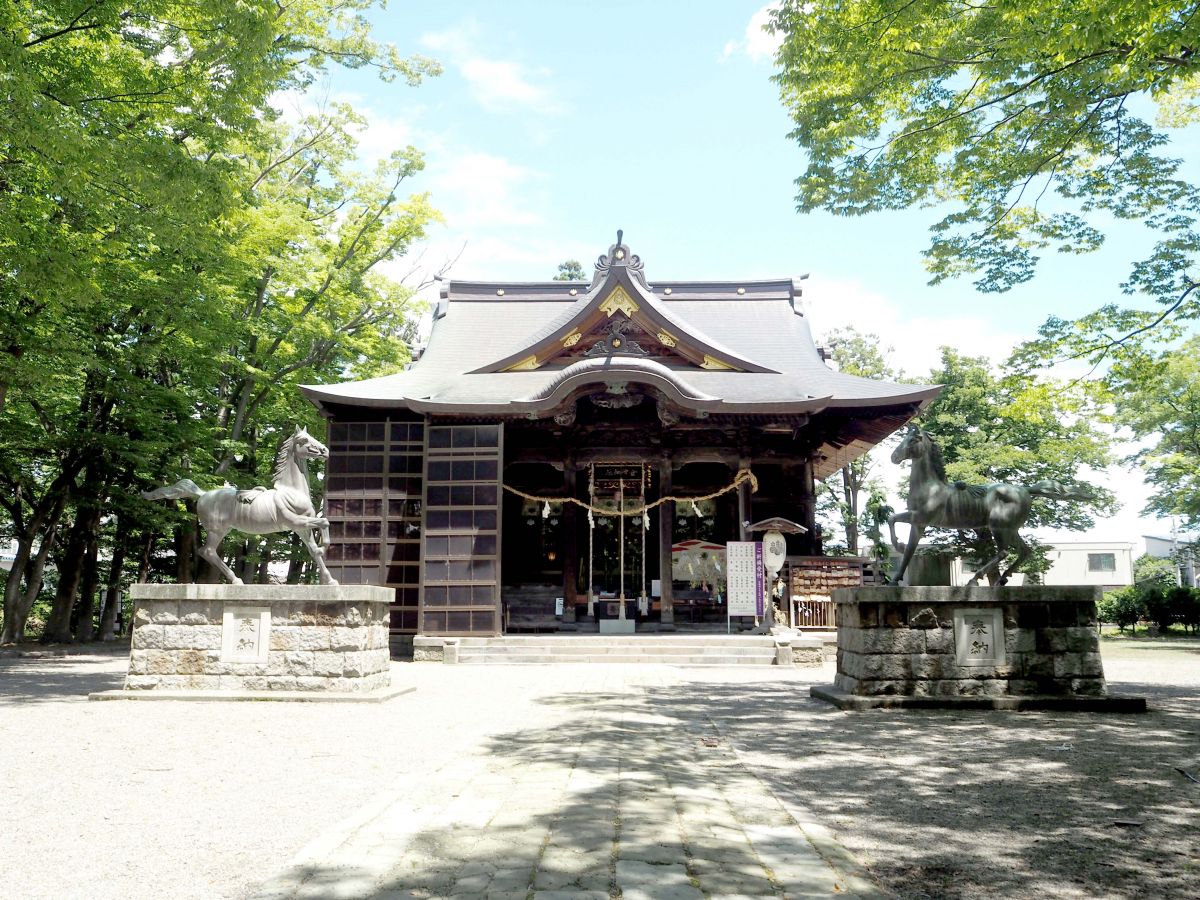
[[264, 563], [85, 629], [112, 590], [70, 572], [148, 542], [850, 495], [185, 549], [45, 515], [295, 563], [34, 579]]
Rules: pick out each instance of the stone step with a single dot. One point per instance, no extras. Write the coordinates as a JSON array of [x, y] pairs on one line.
[[617, 649], [624, 659], [637, 640]]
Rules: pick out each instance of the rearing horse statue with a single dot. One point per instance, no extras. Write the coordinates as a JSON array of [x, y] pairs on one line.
[[287, 506], [934, 502]]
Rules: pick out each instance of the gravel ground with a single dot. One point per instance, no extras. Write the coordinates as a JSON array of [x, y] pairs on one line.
[[204, 800]]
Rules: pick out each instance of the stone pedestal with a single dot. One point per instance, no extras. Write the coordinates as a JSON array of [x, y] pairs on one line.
[[1011, 648], [254, 640]]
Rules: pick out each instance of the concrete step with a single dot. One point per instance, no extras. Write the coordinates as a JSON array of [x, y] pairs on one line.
[[617, 650], [642, 659], [675, 650]]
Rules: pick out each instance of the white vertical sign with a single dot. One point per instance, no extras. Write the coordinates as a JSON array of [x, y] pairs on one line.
[[744, 569]]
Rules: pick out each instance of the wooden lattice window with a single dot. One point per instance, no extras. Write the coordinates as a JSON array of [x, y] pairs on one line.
[[461, 566]]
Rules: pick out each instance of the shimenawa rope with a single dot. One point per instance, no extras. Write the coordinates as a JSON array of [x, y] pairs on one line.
[[742, 476]]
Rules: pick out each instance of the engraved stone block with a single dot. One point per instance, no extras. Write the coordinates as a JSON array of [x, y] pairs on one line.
[[246, 634], [979, 636]]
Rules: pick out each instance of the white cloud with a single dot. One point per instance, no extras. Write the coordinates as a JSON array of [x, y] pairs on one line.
[[498, 85], [757, 43], [481, 190], [915, 340]]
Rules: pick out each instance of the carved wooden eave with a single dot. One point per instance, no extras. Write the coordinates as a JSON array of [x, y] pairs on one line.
[[619, 316]]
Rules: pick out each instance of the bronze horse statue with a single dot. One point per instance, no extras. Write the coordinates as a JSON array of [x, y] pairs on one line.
[[934, 502]]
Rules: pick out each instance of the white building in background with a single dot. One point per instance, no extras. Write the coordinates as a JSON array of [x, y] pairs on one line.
[[1168, 548], [1105, 564]]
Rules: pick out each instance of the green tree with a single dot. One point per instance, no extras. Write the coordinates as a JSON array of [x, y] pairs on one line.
[[1122, 607], [125, 140], [1155, 570], [1007, 427], [571, 270], [863, 355], [1026, 118], [1157, 396]]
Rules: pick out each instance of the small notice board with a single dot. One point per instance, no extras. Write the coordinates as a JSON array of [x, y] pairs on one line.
[[744, 565]]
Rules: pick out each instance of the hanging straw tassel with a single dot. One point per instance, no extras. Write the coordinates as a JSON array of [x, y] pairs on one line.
[[591, 521], [645, 521], [546, 510], [695, 509]]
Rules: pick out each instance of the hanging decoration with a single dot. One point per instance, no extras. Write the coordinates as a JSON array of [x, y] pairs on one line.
[[743, 476]]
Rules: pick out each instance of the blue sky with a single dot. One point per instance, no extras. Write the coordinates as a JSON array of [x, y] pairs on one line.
[[554, 124]]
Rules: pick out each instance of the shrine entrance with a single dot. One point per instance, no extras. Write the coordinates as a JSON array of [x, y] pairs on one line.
[[621, 545]]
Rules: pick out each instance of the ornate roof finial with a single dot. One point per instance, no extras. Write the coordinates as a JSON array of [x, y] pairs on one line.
[[618, 256]]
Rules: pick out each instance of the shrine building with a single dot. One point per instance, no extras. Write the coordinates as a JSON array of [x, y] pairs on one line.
[[564, 451]]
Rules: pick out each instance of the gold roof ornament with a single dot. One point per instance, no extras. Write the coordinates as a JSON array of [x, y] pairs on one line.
[[528, 364], [711, 362], [619, 300]]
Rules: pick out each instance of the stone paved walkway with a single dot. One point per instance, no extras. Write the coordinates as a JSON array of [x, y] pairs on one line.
[[605, 798]]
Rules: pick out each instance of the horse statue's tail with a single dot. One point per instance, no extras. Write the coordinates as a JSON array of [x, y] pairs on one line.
[[183, 489], [1056, 490]]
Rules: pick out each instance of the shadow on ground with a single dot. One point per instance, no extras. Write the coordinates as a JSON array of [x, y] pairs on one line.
[[636, 805], [983, 804], [25, 680], [938, 804]]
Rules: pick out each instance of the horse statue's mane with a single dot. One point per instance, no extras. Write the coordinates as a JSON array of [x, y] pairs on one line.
[[282, 457], [935, 457]]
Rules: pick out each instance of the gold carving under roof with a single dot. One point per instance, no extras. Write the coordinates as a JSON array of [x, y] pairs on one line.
[[713, 363], [526, 365], [572, 339], [666, 339], [619, 300]]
